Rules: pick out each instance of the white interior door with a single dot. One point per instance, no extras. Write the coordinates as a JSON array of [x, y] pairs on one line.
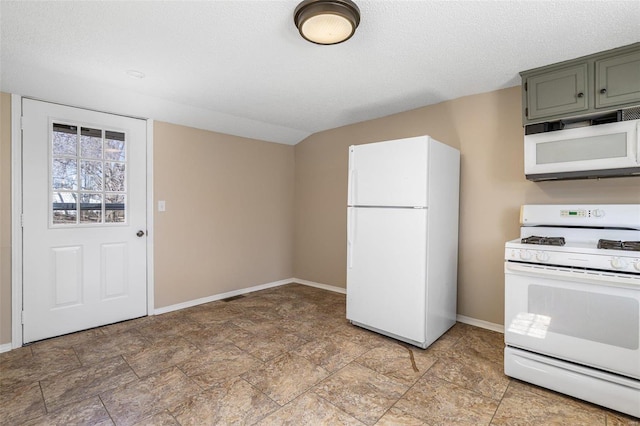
[[386, 270], [84, 219]]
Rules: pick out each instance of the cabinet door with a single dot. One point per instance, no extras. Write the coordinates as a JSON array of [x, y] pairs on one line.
[[618, 80], [558, 92]]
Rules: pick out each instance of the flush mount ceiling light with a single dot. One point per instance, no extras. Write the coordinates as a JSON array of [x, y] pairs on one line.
[[327, 21]]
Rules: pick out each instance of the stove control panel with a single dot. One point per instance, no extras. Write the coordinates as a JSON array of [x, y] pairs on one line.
[[616, 216], [580, 260], [582, 213]]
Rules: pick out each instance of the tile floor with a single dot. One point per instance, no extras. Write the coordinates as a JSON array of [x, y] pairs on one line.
[[280, 356]]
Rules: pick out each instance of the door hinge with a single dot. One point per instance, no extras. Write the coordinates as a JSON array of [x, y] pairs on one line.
[[526, 112], [21, 220], [526, 86], [22, 317]]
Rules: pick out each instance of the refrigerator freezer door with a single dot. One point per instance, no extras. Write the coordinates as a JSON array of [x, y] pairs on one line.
[[386, 270], [392, 173]]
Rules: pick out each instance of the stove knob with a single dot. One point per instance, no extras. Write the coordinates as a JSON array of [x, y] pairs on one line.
[[637, 265], [542, 256], [598, 213], [618, 263], [525, 254]]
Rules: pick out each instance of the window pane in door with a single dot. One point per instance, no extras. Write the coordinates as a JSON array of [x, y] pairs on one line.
[[114, 148], [114, 176], [88, 175], [64, 173], [65, 139], [91, 175], [90, 208], [91, 143], [64, 208], [114, 208]]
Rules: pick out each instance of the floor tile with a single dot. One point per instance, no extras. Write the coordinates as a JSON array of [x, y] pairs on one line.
[[24, 370], [285, 377], [87, 412], [162, 418], [395, 360], [309, 327], [264, 340], [21, 404], [13, 356], [137, 400], [395, 417], [438, 402], [484, 344], [284, 355], [212, 336], [213, 313], [84, 382], [232, 402], [472, 372], [309, 409], [361, 392], [330, 353], [168, 325], [217, 365], [521, 407], [67, 341], [358, 335], [128, 325], [110, 345], [160, 355]]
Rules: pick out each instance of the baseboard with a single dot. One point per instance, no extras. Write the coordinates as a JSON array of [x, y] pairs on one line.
[[319, 285], [5, 347], [480, 323], [220, 296]]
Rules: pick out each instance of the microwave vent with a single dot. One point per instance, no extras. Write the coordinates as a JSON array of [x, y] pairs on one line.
[[630, 114]]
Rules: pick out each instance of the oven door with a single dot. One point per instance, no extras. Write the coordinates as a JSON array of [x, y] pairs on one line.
[[587, 317]]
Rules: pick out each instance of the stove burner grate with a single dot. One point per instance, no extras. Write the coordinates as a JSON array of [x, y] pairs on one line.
[[619, 245], [545, 241]]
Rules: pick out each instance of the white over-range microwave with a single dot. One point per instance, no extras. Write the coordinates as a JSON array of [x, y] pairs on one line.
[[604, 150]]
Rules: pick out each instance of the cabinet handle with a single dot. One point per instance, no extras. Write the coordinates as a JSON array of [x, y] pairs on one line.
[[603, 91], [580, 95]]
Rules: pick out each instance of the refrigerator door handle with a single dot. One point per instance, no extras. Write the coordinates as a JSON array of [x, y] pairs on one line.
[[351, 225], [353, 175]]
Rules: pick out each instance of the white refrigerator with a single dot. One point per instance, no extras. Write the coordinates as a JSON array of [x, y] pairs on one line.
[[402, 238]]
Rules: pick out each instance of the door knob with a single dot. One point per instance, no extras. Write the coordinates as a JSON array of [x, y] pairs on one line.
[[140, 233], [603, 91]]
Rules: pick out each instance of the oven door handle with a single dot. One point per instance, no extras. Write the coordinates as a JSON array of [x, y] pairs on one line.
[[612, 279]]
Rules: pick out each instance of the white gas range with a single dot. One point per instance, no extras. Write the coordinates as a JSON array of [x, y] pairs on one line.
[[572, 302]]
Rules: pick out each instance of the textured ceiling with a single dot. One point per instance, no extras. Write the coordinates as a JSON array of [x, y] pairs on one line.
[[240, 67]]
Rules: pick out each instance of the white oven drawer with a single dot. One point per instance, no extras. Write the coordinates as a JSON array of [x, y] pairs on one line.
[[593, 321]]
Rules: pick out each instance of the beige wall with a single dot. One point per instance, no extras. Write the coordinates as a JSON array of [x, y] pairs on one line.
[[5, 218], [230, 202], [229, 213], [228, 223], [487, 130]]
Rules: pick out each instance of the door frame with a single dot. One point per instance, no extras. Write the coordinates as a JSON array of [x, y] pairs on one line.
[[16, 216]]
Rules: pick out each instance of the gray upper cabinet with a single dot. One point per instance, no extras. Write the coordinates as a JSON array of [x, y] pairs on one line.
[[585, 86], [562, 91], [618, 80]]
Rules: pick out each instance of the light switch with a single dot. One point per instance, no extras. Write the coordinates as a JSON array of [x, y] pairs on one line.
[[161, 206]]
